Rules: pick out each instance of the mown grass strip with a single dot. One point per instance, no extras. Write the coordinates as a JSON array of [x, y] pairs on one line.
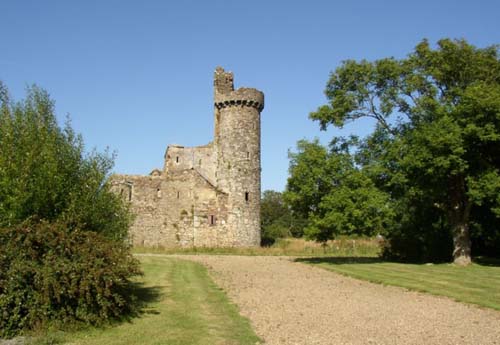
[[182, 306], [476, 284]]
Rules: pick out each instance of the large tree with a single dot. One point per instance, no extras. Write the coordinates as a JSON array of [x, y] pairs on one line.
[[438, 113], [46, 174]]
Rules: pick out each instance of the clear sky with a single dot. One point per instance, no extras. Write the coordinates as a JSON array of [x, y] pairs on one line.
[[137, 75]]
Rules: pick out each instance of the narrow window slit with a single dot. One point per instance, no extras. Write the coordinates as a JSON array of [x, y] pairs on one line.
[[246, 196]]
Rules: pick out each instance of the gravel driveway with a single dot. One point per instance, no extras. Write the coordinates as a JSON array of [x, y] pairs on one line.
[[293, 303]]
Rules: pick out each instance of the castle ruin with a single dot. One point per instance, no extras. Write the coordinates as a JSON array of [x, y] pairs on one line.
[[205, 196]]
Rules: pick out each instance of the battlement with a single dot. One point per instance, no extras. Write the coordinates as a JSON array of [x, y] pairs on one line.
[[226, 96], [241, 97]]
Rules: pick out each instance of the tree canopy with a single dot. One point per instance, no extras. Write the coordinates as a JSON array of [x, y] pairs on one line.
[[435, 150]]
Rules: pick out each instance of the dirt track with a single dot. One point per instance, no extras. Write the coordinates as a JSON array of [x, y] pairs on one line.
[[293, 303]]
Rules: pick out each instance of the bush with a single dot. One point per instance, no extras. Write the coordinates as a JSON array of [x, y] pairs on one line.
[[272, 232], [50, 274]]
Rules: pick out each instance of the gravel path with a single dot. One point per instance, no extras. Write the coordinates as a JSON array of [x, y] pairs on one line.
[[293, 303]]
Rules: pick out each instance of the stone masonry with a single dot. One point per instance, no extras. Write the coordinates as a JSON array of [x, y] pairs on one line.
[[205, 196]]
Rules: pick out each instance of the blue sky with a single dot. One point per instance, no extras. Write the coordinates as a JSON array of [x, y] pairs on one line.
[[137, 75]]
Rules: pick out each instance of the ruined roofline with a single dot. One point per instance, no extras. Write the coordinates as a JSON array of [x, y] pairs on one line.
[[114, 176], [190, 147], [209, 145]]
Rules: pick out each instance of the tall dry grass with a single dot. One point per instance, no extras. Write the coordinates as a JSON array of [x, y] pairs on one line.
[[341, 247]]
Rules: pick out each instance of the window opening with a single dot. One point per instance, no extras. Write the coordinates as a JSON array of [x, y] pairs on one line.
[[212, 220], [246, 196], [248, 154], [177, 159], [178, 194]]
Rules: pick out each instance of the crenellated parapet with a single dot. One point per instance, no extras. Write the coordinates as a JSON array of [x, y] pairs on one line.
[[226, 96], [241, 97]]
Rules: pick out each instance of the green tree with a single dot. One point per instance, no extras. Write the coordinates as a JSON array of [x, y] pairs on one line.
[[277, 219], [46, 174], [335, 195], [308, 180], [438, 115]]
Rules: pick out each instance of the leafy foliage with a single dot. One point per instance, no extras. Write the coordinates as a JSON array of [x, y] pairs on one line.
[[277, 220], [45, 173], [437, 139], [50, 274], [63, 255], [336, 196]]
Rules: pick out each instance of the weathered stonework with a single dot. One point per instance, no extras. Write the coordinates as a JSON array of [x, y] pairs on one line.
[[205, 196]]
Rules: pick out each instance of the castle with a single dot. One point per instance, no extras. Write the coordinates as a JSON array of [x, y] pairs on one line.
[[205, 196]]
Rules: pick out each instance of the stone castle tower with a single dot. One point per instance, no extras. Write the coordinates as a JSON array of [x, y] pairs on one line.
[[205, 196]]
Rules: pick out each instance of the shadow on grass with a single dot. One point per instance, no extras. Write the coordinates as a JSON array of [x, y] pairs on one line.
[[340, 260], [143, 298], [485, 261]]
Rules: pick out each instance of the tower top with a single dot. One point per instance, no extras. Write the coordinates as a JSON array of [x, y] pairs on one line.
[[223, 81], [225, 95]]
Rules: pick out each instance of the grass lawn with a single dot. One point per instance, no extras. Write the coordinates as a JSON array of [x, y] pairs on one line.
[[478, 283], [182, 306]]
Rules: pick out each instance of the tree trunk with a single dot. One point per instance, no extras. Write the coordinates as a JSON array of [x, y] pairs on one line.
[[461, 244], [459, 213]]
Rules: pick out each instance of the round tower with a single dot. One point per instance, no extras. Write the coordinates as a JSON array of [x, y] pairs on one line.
[[237, 142]]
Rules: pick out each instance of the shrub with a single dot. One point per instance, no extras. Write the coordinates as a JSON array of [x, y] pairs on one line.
[[49, 274], [272, 232]]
